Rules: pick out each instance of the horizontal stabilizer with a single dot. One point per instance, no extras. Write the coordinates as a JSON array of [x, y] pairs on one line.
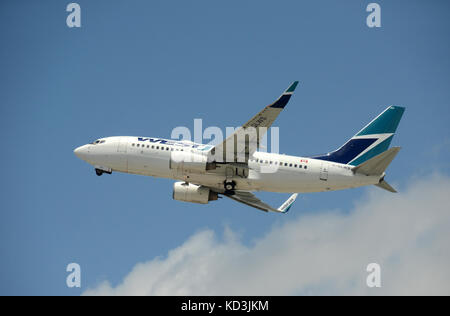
[[384, 185], [378, 164]]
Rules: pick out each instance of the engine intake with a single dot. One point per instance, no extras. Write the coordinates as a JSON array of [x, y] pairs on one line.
[[188, 192]]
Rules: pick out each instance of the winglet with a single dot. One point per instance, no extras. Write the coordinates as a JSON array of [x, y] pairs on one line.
[[291, 88], [284, 98], [285, 207]]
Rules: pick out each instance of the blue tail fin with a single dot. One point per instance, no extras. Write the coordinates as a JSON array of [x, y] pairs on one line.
[[372, 140]]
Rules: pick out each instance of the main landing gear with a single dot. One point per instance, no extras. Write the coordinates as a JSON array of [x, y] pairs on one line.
[[229, 185]]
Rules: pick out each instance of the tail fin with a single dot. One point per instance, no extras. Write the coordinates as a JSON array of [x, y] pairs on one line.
[[369, 142]]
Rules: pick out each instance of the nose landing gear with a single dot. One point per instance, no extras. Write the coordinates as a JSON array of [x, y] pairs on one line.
[[99, 171]]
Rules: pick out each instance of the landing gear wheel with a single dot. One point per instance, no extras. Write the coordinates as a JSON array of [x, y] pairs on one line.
[[98, 172], [229, 185]]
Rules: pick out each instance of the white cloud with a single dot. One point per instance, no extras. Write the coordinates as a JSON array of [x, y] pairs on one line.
[[407, 233]]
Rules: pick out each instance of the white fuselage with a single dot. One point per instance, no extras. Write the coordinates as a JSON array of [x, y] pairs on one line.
[[264, 172]]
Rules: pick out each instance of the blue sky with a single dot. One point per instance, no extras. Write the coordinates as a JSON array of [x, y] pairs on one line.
[[145, 67]]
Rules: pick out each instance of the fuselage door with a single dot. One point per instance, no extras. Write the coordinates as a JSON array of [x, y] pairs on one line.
[[324, 171], [122, 147]]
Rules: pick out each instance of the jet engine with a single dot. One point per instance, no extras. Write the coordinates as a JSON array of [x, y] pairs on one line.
[[188, 192]]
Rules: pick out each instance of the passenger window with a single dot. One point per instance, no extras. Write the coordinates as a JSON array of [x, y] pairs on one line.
[[295, 166], [271, 162], [137, 145], [300, 166], [290, 165], [285, 164], [148, 146], [167, 148], [132, 145], [153, 147], [305, 167], [162, 148], [157, 147]]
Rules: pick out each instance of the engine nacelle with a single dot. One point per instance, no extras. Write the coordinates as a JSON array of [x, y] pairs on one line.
[[186, 161], [188, 192]]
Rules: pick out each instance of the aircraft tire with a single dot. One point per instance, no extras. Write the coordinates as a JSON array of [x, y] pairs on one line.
[[229, 185]]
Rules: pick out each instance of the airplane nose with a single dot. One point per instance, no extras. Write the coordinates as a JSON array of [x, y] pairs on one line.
[[81, 151]]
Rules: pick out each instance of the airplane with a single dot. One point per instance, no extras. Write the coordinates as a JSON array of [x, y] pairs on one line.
[[235, 168]]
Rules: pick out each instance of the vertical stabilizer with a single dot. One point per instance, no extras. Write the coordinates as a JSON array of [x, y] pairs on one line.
[[370, 141]]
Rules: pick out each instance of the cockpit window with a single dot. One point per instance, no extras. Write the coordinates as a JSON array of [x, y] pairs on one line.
[[98, 141]]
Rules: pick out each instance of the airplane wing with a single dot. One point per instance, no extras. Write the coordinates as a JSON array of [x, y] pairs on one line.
[[239, 146], [250, 199]]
